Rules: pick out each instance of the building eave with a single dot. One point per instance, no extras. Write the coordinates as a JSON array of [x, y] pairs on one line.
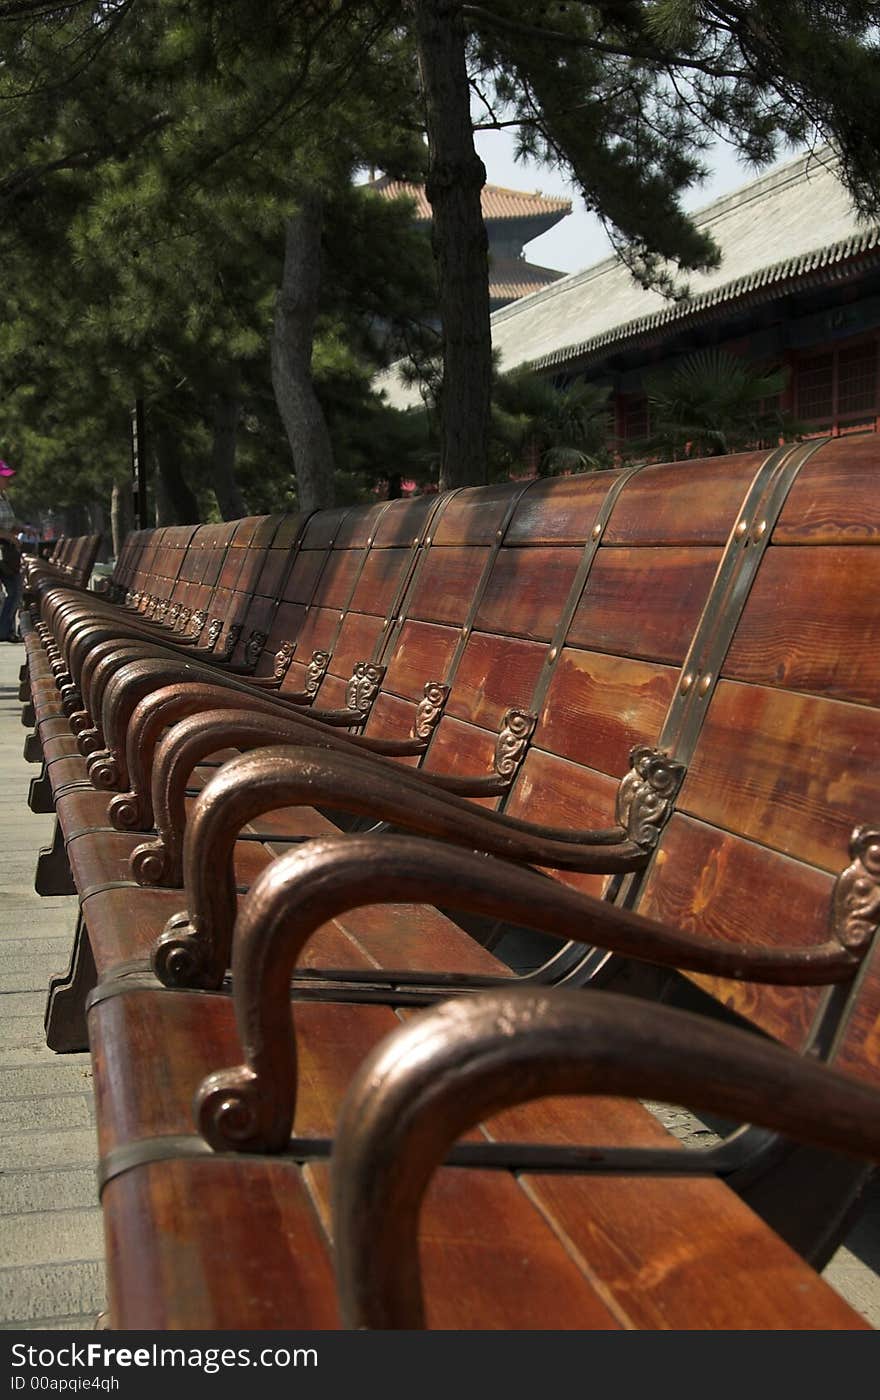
[[837, 262]]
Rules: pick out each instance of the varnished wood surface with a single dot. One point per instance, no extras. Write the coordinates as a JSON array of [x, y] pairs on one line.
[[834, 500], [598, 707], [709, 881], [683, 504], [561, 510], [810, 623], [446, 583], [791, 771], [494, 674], [497, 1253], [527, 591], [644, 602], [422, 651]]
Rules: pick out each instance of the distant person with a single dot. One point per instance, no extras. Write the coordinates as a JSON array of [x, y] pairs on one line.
[[10, 577]]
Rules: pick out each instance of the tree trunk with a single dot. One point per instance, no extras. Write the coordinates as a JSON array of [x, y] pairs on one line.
[[227, 411], [296, 307], [175, 502], [121, 515], [456, 176]]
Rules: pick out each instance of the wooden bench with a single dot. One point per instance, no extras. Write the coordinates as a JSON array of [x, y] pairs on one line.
[[620, 640]]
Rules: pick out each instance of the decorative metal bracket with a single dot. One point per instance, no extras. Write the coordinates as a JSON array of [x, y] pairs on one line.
[[283, 658], [512, 743], [855, 908], [183, 619], [173, 615], [232, 636], [315, 672], [197, 623], [161, 610], [215, 627], [363, 687], [646, 794], [253, 648], [430, 708]]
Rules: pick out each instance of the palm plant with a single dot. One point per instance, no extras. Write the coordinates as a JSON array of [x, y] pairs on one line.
[[567, 427], [713, 402]]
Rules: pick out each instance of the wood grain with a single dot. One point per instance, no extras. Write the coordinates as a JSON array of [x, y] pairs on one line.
[[794, 772], [598, 707], [644, 602], [810, 621]]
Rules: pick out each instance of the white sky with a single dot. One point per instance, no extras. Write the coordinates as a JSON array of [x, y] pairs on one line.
[[578, 240]]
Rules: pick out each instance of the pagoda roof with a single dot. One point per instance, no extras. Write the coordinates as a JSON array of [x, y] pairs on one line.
[[511, 278], [790, 229], [497, 202]]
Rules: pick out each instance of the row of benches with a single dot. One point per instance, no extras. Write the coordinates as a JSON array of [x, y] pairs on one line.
[[312, 774]]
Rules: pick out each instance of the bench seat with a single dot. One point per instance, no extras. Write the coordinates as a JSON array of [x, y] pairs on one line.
[[499, 1250], [713, 636]]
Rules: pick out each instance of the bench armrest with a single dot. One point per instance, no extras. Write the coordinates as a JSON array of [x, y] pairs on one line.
[[463, 1061], [166, 705], [251, 1107], [197, 942]]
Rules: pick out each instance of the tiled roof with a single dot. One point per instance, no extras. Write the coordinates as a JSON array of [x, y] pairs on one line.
[[514, 277], [787, 228], [497, 202]]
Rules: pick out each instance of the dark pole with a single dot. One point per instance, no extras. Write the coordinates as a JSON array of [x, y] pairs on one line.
[[138, 465]]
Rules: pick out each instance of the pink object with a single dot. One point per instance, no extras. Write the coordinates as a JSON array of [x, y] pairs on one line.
[[6, 471]]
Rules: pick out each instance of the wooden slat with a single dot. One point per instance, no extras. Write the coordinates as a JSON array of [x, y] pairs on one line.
[[682, 502], [834, 500], [561, 510], [644, 602], [494, 674], [527, 591], [446, 584], [794, 772], [810, 621], [707, 881], [422, 653], [598, 707]]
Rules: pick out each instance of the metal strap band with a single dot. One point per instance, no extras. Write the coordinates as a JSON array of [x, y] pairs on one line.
[[733, 581], [475, 604], [722, 611], [418, 558], [519, 1157], [579, 583], [288, 570], [365, 555]]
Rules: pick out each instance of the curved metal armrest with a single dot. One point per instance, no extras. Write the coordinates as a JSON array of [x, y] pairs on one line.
[[167, 705], [251, 1107], [295, 775], [195, 948], [463, 1061]]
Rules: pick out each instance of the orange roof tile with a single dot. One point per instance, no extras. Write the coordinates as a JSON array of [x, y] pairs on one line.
[[512, 278], [497, 202]]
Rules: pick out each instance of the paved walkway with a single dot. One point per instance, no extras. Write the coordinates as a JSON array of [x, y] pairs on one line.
[[51, 1245], [51, 1241]]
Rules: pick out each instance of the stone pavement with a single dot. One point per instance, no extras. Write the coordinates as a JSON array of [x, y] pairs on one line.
[[51, 1241], [51, 1244]]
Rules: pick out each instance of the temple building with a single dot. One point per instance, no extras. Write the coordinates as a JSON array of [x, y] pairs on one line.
[[798, 285], [512, 220]]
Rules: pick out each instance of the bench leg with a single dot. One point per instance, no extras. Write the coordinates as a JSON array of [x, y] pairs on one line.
[[28, 715], [23, 672], [65, 1020], [40, 798], [24, 690], [33, 748], [53, 868]]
